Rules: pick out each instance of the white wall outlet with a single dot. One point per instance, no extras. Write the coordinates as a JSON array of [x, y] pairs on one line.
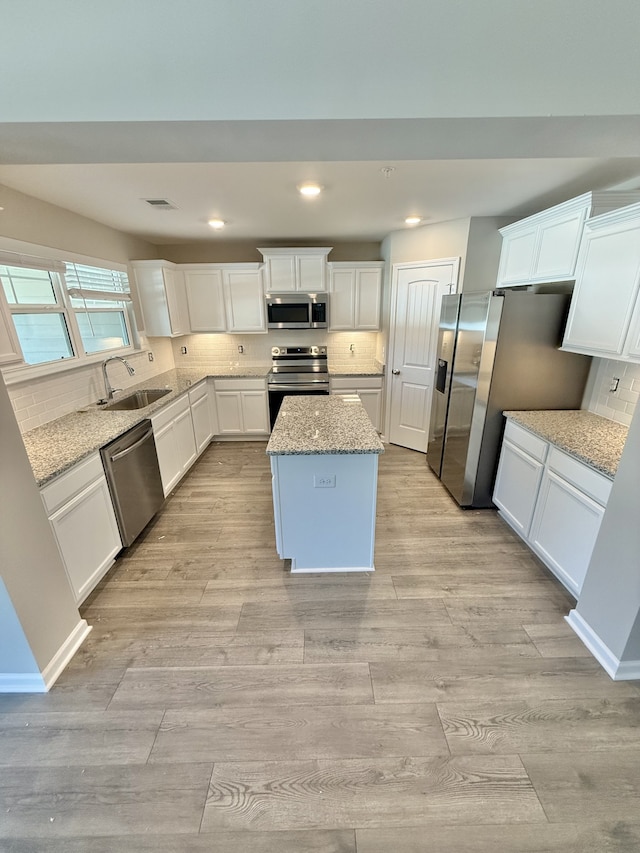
[[183, 350], [150, 354], [324, 481], [240, 349], [613, 385]]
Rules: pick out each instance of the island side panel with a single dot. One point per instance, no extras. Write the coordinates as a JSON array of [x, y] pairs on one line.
[[326, 529]]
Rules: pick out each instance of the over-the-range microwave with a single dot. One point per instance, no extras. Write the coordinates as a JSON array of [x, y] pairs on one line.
[[297, 310]]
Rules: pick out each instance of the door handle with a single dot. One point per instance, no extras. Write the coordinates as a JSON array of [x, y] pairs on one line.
[[396, 372]]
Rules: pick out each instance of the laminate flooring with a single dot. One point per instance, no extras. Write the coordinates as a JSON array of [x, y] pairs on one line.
[[438, 704]]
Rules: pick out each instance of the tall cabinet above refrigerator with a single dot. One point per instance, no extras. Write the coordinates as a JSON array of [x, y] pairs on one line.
[[496, 351]]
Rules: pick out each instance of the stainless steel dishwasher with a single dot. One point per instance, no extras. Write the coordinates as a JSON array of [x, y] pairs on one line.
[[131, 466]]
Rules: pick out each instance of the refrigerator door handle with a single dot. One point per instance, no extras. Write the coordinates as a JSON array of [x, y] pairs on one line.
[[441, 375]]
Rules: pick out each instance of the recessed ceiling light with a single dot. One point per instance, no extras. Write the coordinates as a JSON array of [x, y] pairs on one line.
[[413, 220], [217, 224], [310, 190]]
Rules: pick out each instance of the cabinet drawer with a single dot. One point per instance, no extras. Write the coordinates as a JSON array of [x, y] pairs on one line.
[[356, 381], [170, 412], [591, 482], [198, 392], [240, 384], [525, 440], [69, 484]]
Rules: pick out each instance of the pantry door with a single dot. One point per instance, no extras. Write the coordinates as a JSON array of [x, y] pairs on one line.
[[417, 291]]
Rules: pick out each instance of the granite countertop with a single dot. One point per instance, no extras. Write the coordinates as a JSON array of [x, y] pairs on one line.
[[55, 447], [592, 439], [325, 425], [373, 369]]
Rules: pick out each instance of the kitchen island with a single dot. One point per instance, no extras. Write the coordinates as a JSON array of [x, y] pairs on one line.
[[324, 464]]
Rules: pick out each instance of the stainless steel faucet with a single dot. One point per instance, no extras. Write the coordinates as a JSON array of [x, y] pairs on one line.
[[109, 391]]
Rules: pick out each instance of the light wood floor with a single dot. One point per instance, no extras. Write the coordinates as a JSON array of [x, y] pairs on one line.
[[440, 704]]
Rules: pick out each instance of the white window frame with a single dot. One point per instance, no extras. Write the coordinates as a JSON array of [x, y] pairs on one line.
[[20, 371]]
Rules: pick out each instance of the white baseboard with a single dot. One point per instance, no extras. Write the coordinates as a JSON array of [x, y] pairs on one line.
[[618, 670], [42, 682], [67, 650]]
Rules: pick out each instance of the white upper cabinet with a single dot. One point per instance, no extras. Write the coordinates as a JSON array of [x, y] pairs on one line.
[[604, 318], [161, 290], [544, 247], [356, 291], [295, 269], [225, 298], [205, 298]]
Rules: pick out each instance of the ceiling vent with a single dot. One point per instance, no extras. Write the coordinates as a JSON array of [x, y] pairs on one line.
[[160, 203]]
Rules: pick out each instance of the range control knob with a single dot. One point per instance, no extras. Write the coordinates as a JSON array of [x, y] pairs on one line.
[[275, 350], [314, 350]]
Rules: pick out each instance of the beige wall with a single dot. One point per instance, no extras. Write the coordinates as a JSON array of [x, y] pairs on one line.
[[33, 221], [213, 251]]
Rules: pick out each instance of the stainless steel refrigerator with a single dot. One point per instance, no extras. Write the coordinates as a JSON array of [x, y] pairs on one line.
[[496, 351]]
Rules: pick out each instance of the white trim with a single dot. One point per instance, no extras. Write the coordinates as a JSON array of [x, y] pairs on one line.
[[67, 650], [18, 682], [617, 670], [48, 252]]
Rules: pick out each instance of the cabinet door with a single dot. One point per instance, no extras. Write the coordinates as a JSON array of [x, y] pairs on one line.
[[516, 487], [310, 273], [169, 459], [245, 304], [632, 347], [558, 244], [201, 414], [255, 412], [342, 303], [564, 529], [281, 273], [368, 292], [176, 302], [185, 439], [372, 401], [516, 257], [205, 298], [607, 280], [229, 408], [87, 535]]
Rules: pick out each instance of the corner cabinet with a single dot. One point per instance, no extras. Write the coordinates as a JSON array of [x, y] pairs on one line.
[[368, 388], [225, 298], [295, 269], [78, 504], [242, 407], [356, 292], [163, 302], [604, 317], [544, 247], [552, 500]]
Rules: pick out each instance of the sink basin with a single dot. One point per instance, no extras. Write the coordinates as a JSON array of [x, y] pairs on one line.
[[138, 400]]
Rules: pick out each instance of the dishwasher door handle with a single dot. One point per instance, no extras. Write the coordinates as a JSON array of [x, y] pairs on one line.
[[130, 449]]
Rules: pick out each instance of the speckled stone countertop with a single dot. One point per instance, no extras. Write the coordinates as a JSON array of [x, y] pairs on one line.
[[57, 446], [374, 369], [332, 425], [590, 438]]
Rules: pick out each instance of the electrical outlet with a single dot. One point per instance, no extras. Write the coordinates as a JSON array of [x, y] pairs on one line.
[[324, 481], [613, 387], [183, 350], [240, 349], [150, 354]]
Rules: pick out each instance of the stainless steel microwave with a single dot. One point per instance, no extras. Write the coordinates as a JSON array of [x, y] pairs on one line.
[[297, 310]]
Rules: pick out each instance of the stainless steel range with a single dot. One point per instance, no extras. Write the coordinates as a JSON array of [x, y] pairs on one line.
[[295, 371]]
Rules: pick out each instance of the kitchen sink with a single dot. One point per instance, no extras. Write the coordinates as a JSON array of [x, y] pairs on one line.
[[138, 400]]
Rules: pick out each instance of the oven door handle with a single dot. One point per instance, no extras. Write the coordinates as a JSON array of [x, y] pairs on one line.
[[306, 387]]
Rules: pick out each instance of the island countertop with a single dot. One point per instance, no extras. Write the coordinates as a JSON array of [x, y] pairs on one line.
[[592, 439], [323, 425]]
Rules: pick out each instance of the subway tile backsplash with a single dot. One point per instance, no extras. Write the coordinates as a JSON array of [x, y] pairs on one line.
[[616, 405]]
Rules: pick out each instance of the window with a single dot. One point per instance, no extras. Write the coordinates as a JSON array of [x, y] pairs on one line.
[[66, 311]]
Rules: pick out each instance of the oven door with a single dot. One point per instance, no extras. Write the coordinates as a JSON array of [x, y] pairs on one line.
[[277, 393]]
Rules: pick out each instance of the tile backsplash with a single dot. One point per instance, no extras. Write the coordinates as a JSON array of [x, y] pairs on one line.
[[618, 405], [38, 401]]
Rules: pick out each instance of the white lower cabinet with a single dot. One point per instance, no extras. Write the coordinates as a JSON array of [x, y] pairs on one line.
[[79, 507], [175, 441], [201, 415], [368, 388], [242, 407], [553, 501]]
